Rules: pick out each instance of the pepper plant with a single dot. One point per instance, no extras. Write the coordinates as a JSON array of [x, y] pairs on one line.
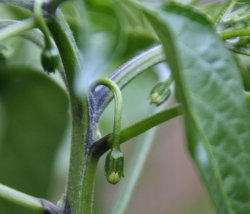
[[59, 71]]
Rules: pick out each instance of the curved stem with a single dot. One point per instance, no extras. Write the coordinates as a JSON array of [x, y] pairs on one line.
[[114, 164], [41, 23], [102, 145], [66, 45], [229, 34], [16, 28], [118, 109], [126, 73], [20, 198]]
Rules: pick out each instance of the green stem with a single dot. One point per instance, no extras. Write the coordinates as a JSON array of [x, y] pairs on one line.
[[126, 73], [114, 164], [41, 23], [88, 186], [81, 168], [77, 156], [20, 198], [229, 34], [137, 65], [16, 28], [149, 123], [102, 145], [66, 44], [118, 109]]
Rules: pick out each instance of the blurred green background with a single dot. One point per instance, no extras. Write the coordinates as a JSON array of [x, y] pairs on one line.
[[34, 128]]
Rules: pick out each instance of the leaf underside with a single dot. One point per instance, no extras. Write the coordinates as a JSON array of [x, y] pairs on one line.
[[33, 121], [216, 115]]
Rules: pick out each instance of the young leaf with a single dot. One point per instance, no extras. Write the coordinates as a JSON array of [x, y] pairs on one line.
[[35, 117], [217, 119]]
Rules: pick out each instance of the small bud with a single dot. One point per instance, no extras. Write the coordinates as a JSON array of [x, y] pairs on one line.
[[50, 59], [114, 166], [160, 93]]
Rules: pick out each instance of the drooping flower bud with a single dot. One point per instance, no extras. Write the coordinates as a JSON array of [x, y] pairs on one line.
[[114, 166], [50, 59]]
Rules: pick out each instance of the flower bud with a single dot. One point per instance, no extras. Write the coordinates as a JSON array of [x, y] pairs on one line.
[[50, 59], [160, 93], [114, 166]]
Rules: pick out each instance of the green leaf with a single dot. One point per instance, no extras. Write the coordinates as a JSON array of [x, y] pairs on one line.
[[217, 119], [35, 118]]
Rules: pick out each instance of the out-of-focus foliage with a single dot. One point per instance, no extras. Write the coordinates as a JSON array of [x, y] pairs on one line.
[[33, 120], [33, 109]]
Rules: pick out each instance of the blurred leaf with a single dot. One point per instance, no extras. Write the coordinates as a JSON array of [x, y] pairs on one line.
[[109, 31], [35, 112], [1, 121], [27, 4], [237, 16], [213, 9], [10, 12], [137, 39], [216, 115]]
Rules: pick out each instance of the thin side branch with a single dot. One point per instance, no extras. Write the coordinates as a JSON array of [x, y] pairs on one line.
[[27, 201], [127, 72], [16, 28], [229, 34], [103, 145]]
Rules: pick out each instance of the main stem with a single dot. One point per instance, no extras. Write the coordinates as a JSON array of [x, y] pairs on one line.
[[80, 187], [88, 187]]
